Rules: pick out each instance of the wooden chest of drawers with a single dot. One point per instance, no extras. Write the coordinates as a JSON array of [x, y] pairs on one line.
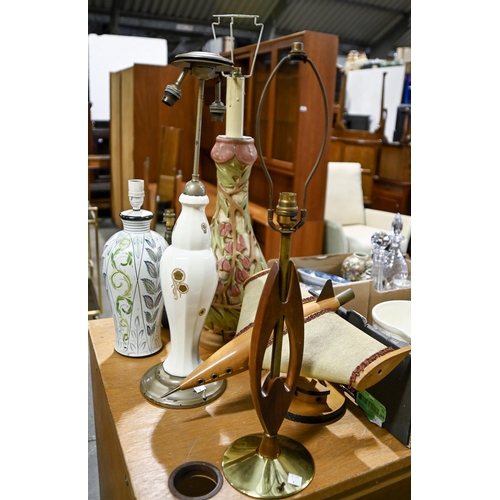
[[391, 195]]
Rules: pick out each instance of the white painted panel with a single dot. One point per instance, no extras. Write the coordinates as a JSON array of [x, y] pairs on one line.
[[111, 53], [364, 92]]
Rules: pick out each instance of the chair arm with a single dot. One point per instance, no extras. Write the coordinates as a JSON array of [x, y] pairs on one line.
[[379, 218], [335, 240]]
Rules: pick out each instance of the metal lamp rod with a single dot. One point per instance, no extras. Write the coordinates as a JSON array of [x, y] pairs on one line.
[[197, 139], [296, 53]]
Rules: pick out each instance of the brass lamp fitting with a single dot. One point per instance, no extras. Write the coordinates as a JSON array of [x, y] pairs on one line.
[[169, 221], [287, 210], [217, 108]]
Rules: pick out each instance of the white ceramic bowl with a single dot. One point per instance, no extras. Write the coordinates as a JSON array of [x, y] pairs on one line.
[[394, 318]]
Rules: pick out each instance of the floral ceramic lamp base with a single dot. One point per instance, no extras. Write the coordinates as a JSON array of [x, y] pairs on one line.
[[233, 241], [130, 265]]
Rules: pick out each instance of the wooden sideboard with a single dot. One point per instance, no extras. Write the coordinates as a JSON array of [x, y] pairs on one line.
[[139, 444]]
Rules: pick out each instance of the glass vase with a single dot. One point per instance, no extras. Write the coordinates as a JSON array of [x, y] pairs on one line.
[[380, 242], [396, 271], [233, 241]]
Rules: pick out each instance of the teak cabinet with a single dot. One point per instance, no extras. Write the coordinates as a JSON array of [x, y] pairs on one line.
[[137, 114], [291, 131]]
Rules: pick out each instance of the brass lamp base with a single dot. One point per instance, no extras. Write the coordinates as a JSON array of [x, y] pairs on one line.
[[156, 383], [260, 477]]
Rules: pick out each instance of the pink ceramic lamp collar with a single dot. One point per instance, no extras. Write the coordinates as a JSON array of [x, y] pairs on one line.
[[226, 148]]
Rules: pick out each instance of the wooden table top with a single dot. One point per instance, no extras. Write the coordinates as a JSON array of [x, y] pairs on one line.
[[352, 456]]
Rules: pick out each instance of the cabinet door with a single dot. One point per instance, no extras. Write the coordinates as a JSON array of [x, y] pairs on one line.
[[261, 73], [392, 196], [121, 140], [395, 162], [115, 147], [286, 110]]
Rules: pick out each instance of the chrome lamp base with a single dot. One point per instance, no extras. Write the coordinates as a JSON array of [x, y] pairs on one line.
[[156, 383]]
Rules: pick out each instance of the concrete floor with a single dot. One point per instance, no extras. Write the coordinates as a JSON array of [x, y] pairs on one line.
[[93, 471], [106, 229]]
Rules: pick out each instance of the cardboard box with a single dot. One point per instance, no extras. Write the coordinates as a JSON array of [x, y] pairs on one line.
[[366, 297]]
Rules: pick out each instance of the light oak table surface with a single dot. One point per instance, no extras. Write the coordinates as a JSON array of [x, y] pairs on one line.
[[139, 444]]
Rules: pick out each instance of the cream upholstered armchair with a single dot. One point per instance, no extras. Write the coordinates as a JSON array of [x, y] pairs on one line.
[[349, 226]]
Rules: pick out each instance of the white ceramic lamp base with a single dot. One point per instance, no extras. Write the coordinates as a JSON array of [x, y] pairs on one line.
[[188, 273]]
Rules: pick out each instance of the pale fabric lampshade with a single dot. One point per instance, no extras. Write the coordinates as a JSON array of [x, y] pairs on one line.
[[333, 348]]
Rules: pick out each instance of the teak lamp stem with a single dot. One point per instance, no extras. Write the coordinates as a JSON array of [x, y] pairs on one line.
[[269, 465]]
